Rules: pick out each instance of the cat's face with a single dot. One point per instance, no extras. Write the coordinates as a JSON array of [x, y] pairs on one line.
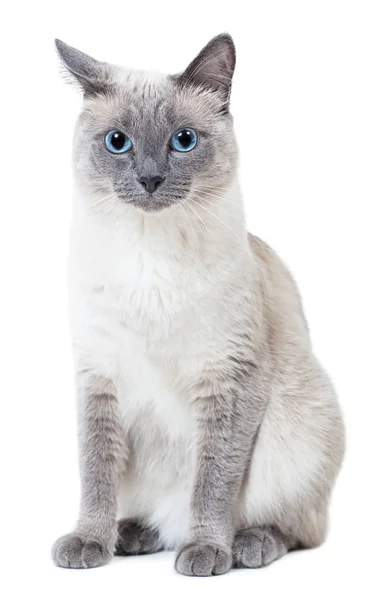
[[152, 141]]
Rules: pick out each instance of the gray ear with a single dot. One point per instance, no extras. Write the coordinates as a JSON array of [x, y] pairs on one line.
[[213, 68], [90, 73]]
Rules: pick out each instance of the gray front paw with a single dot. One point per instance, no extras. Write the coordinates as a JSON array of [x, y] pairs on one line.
[[201, 560], [73, 551]]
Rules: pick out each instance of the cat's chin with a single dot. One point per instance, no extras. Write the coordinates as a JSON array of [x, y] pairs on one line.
[[152, 204]]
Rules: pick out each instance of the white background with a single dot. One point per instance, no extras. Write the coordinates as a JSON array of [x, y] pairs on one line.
[[310, 100]]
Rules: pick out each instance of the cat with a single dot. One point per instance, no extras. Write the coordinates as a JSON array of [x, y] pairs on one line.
[[205, 421]]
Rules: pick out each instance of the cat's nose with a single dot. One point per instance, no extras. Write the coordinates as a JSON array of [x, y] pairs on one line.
[[151, 183]]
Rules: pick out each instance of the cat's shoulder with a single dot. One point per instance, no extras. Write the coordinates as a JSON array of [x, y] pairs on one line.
[[276, 277]]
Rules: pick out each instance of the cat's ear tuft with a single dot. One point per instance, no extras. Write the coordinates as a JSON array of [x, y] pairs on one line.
[[91, 74], [213, 68]]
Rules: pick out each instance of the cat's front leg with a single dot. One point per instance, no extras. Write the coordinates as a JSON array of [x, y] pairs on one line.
[[102, 457], [227, 424]]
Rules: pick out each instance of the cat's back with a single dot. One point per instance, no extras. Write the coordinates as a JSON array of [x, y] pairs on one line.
[[281, 298], [275, 273]]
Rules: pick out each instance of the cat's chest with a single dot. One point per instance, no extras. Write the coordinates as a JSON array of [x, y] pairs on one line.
[[134, 284], [135, 328], [147, 369], [145, 322], [149, 401]]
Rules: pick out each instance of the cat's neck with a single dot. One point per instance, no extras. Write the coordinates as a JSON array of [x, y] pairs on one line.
[[204, 225]]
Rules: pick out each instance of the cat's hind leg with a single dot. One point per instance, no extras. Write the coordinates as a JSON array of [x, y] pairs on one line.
[[135, 538], [256, 547], [259, 546]]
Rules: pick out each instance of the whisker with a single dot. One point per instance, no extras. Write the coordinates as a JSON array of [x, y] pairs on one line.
[[218, 219], [205, 190], [105, 199], [182, 205], [202, 221]]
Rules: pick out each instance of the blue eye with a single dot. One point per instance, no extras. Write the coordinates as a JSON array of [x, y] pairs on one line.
[[184, 140], [117, 142]]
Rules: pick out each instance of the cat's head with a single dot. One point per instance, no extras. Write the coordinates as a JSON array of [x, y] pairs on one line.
[[151, 140]]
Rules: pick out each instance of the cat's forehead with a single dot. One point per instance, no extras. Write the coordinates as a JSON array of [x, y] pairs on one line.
[[138, 97], [147, 95]]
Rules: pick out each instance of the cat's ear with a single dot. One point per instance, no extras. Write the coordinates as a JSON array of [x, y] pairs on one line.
[[213, 68], [91, 74]]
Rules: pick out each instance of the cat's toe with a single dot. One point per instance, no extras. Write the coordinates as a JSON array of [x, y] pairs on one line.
[[257, 547], [134, 538], [202, 560], [73, 551]]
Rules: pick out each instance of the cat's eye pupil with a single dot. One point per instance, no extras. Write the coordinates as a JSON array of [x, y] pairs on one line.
[[118, 140], [185, 138]]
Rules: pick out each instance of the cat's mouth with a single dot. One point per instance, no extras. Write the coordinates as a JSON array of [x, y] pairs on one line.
[[154, 202]]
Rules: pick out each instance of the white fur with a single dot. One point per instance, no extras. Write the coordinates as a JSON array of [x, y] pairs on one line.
[[142, 314]]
